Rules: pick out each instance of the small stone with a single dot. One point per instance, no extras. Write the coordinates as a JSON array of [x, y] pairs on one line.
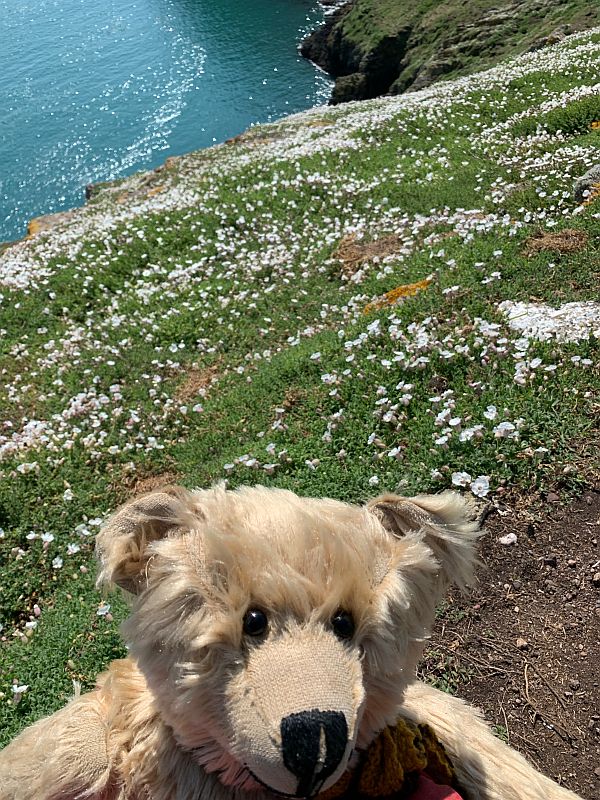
[[510, 538], [522, 644], [597, 772], [596, 579], [572, 562], [552, 497], [517, 585], [550, 560], [573, 684], [586, 183]]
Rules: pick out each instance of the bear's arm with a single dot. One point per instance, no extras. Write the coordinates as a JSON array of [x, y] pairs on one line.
[[60, 756], [487, 769]]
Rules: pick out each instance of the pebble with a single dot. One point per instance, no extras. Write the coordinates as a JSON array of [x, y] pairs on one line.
[[510, 538], [596, 579], [551, 560], [552, 497], [522, 644]]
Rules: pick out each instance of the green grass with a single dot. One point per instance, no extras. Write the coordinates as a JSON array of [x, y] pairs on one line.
[[468, 36], [243, 284]]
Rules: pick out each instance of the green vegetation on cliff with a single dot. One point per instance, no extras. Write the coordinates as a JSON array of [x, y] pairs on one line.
[[378, 46], [400, 293]]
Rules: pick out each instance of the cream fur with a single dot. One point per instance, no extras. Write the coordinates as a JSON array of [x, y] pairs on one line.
[[197, 711]]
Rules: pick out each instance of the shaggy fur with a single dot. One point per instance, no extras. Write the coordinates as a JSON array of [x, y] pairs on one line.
[[202, 710]]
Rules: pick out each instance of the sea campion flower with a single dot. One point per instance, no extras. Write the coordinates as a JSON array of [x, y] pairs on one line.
[[461, 478], [480, 486]]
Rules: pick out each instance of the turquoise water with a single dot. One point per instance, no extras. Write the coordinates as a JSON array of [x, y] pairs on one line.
[[91, 91]]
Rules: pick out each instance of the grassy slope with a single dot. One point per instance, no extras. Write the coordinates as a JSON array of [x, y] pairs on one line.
[[199, 321], [439, 26]]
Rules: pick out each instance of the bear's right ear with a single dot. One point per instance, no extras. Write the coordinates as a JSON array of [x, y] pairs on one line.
[[122, 543]]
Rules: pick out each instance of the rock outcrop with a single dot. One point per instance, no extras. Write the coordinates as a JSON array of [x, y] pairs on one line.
[[374, 47]]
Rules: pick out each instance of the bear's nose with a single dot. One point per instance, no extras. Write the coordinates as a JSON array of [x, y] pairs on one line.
[[313, 744]]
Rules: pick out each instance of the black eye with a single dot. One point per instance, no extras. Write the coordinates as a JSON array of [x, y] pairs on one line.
[[343, 624], [255, 622]]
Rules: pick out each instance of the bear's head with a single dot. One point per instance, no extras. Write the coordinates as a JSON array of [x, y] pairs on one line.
[[278, 633]]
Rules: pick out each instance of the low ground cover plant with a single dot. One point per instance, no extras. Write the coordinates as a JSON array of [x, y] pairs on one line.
[[343, 302]]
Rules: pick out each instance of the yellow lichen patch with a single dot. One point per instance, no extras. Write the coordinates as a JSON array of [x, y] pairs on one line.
[[34, 226], [595, 126], [593, 195], [320, 123], [399, 293], [47, 222], [155, 190]]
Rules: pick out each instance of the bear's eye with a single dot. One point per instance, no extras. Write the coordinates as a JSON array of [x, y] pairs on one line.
[[255, 622], [342, 623]]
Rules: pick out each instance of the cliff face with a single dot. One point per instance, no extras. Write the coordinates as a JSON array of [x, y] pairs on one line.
[[375, 47], [363, 70]]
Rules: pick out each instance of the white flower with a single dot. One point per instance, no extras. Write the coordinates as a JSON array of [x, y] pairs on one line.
[[328, 378], [373, 480], [73, 548], [103, 609], [480, 486], [505, 430], [68, 495], [461, 478], [29, 467], [18, 692], [57, 562], [491, 412]]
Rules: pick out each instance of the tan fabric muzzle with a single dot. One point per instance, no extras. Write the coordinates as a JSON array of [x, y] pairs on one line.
[[294, 711]]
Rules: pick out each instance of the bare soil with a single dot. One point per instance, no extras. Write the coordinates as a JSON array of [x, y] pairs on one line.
[[569, 240], [525, 646]]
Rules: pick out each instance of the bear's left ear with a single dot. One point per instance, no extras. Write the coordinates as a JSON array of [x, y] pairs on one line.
[[446, 522]]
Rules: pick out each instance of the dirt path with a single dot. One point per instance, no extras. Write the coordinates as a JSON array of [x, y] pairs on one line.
[[525, 646]]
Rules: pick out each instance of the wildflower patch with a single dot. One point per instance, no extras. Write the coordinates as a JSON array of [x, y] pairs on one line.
[[117, 322], [571, 322]]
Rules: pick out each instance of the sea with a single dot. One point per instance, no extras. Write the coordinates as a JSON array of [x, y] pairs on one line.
[[91, 91]]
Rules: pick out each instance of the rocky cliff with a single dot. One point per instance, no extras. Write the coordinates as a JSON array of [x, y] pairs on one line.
[[375, 47]]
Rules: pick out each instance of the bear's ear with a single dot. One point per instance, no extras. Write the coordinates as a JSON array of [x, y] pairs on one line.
[[122, 543], [446, 522]]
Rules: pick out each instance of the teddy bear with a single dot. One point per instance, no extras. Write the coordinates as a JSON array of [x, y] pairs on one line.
[[273, 642]]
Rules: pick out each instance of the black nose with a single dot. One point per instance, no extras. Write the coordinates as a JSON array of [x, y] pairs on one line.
[[313, 744]]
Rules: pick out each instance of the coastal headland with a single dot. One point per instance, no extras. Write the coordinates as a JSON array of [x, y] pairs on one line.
[[376, 47]]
